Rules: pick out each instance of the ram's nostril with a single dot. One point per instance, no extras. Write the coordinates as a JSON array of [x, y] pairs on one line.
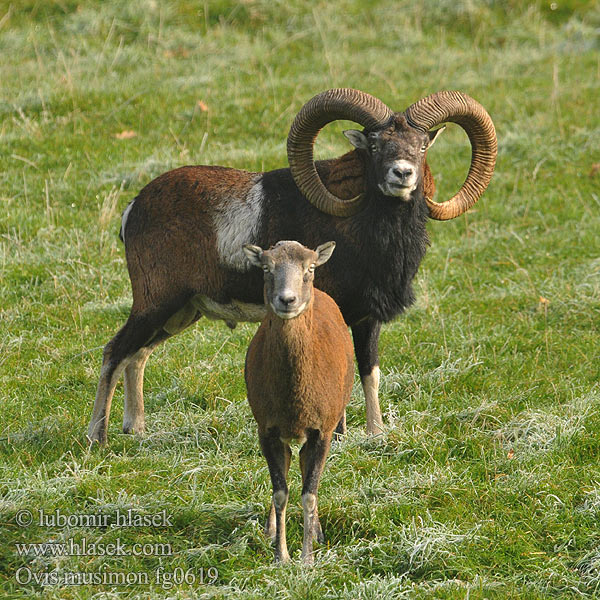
[[402, 173]]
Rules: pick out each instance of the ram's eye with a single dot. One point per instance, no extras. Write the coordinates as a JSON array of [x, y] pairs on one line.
[[373, 148], [424, 147], [311, 269], [266, 268]]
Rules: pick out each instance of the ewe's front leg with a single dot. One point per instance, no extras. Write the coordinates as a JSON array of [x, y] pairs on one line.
[[270, 525], [366, 347], [278, 457], [312, 460]]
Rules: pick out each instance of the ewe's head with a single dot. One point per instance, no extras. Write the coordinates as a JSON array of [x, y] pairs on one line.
[[289, 269], [396, 155]]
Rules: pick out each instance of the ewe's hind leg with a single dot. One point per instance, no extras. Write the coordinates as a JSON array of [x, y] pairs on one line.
[[312, 460], [340, 430]]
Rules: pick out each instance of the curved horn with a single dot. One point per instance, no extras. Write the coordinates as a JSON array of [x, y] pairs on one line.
[[459, 108], [332, 105]]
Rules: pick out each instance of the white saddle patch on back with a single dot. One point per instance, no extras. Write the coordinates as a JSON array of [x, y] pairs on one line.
[[236, 223]]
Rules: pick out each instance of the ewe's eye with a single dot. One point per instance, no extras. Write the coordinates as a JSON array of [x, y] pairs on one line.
[[311, 269], [373, 148], [265, 268]]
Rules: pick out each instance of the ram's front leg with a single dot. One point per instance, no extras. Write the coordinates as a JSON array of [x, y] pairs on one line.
[[366, 347]]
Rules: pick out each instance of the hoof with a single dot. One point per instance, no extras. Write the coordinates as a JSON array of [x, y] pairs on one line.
[[133, 429], [282, 559], [96, 439], [374, 429]]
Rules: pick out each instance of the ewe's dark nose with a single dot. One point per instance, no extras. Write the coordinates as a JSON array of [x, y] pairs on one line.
[[286, 299], [402, 173]]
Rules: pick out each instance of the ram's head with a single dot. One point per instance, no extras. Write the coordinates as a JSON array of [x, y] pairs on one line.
[[395, 145]]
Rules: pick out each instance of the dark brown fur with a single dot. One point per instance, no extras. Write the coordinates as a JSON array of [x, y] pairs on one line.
[[172, 214]]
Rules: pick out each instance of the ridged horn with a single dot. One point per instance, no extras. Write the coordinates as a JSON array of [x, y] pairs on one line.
[[332, 105], [456, 107]]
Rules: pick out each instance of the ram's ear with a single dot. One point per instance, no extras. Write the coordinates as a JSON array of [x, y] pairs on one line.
[[433, 135], [357, 138], [324, 252], [254, 254]]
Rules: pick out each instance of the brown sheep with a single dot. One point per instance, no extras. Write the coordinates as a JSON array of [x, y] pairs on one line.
[[299, 374]]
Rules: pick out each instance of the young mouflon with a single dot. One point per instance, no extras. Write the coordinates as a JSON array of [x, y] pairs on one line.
[[299, 374]]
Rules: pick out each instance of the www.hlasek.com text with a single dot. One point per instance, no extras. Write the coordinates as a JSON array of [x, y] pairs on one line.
[[83, 547]]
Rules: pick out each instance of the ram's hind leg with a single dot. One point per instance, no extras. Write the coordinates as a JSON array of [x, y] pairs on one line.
[[133, 380], [118, 353], [133, 383], [130, 348], [109, 375]]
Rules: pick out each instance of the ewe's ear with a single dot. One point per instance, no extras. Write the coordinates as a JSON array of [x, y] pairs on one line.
[[324, 252], [254, 254], [357, 138], [433, 135]]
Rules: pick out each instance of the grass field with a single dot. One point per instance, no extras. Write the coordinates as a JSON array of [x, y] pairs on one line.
[[486, 482]]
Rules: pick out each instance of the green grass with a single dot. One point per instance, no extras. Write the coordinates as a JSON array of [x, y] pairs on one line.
[[486, 482]]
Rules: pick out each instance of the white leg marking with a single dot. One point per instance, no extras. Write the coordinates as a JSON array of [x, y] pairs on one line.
[[280, 499], [104, 395], [309, 504], [133, 382], [270, 527], [371, 388]]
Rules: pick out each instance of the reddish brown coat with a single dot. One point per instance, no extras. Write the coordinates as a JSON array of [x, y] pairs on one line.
[[299, 372]]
